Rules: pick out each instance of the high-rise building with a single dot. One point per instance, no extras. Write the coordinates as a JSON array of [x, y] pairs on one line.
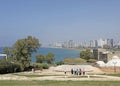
[[96, 43], [101, 43], [92, 43], [70, 44], [110, 42]]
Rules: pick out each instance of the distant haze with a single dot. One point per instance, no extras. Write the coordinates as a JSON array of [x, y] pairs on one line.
[[59, 20]]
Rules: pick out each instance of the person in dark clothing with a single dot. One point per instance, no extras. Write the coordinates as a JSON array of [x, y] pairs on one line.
[[71, 71], [65, 72], [80, 72]]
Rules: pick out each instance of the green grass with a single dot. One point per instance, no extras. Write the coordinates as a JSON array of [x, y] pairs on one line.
[[59, 83], [84, 77], [74, 60], [30, 75], [118, 75]]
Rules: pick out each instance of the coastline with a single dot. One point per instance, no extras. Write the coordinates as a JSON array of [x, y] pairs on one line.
[[64, 48]]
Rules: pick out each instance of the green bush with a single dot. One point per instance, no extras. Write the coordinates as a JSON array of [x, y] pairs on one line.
[[59, 63], [41, 65], [8, 67], [45, 66]]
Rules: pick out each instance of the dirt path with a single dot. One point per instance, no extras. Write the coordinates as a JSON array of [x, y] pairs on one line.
[[59, 77], [51, 74]]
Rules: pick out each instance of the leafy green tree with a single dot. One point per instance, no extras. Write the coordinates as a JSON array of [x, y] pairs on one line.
[[40, 58], [87, 54], [8, 51], [50, 58], [23, 49]]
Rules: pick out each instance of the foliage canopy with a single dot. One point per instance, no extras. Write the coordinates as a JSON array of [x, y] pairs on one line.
[[50, 58], [22, 50], [86, 54]]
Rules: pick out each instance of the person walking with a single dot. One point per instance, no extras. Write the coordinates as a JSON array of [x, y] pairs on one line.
[[72, 71], [80, 72]]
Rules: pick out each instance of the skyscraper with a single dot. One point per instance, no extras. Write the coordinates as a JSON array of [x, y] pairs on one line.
[[110, 42]]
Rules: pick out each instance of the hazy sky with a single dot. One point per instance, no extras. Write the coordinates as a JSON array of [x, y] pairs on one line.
[[59, 20]]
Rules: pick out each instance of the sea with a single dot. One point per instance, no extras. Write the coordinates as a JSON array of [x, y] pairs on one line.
[[59, 53]]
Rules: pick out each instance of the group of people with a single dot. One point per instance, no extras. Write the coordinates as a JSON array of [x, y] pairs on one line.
[[77, 72]]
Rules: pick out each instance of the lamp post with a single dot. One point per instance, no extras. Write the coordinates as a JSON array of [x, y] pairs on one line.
[[114, 66]]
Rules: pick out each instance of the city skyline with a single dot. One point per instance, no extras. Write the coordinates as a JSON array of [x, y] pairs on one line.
[[97, 43], [59, 20]]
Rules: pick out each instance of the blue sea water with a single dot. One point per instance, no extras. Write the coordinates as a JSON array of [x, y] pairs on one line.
[[59, 53], [1, 51]]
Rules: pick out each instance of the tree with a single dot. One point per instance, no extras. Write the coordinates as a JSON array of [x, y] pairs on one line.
[[50, 58], [87, 54], [40, 58], [8, 51], [23, 49]]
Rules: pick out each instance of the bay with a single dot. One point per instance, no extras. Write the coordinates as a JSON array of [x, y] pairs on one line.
[[59, 53]]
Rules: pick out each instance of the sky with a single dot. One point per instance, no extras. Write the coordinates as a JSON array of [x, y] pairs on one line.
[[59, 20]]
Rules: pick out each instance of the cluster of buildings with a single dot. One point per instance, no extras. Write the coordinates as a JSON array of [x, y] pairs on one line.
[[104, 55], [101, 43], [103, 49], [66, 44]]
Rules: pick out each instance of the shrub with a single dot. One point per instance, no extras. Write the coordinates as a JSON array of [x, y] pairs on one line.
[[40, 58], [9, 67], [41, 66], [59, 63], [45, 66]]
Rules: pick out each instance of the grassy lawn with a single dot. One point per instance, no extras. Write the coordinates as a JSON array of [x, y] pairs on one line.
[[84, 77], [32, 75], [118, 75], [59, 83], [115, 74]]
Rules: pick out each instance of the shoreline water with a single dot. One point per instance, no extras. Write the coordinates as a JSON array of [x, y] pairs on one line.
[[64, 48], [60, 53]]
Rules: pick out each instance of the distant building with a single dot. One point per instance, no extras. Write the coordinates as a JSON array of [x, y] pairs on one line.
[[65, 45], [100, 54], [68, 44], [110, 42], [93, 44], [56, 45], [104, 55], [101, 43]]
